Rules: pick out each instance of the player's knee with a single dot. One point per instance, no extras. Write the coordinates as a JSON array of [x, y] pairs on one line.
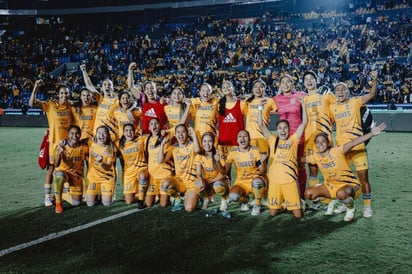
[[106, 202], [167, 188], [347, 201], [59, 174], [234, 197], [143, 181], [345, 193], [75, 201], [90, 203], [219, 188], [258, 183], [200, 185]]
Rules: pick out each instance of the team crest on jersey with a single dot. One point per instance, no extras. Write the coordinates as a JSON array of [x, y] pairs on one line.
[[229, 118], [150, 113]]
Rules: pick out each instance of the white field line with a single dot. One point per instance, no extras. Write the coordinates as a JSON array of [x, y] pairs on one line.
[[56, 235]]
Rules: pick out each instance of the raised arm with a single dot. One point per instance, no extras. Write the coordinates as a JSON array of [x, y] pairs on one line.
[[196, 146], [86, 79], [263, 163], [263, 126], [33, 102], [185, 114], [301, 128], [161, 156], [369, 96], [130, 81], [374, 132]]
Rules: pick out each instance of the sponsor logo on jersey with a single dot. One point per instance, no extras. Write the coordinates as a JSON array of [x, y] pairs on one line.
[[229, 119], [150, 113]]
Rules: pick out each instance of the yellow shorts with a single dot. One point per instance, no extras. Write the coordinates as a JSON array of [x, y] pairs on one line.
[[75, 183], [359, 158], [106, 189], [178, 185], [333, 187], [246, 185], [262, 144], [284, 194], [154, 186], [52, 151], [224, 150], [131, 181]]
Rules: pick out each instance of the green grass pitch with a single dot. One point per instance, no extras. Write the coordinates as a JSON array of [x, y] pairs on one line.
[[160, 241]]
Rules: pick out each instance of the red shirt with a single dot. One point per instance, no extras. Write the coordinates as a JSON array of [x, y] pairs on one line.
[[152, 110], [230, 124]]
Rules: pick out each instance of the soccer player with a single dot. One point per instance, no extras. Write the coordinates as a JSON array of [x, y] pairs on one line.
[[177, 110], [250, 173], [126, 113], [283, 169], [101, 174], [59, 117], [290, 109], [158, 172], [230, 119], [317, 109], [253, 104], [204, 113], [105, 104], [184, 182], [340, 182], [346, 114], [131, 148], [208, 174], [152, 107], [84, 115], [70, 156]]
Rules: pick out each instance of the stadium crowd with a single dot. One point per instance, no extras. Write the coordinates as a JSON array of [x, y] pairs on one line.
[[339, 46]]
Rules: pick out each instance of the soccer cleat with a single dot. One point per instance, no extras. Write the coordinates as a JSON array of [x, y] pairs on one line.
[[256, 210], [303, 205], [211, 213], [59, 208], [350, 214], [225, 214], [340, 208], [244, 207], [48, 201], [223, 205], [312, 205], [331, 208], [177, 206], [140, 204], [367, 211]]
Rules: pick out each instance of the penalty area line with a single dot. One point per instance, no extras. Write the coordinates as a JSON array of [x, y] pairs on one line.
[[56, 235]]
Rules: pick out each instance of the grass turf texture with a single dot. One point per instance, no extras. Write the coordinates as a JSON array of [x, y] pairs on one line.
[[159, 241]]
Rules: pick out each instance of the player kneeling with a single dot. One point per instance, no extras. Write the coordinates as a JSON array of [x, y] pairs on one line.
[[70, 156], [340, 181]]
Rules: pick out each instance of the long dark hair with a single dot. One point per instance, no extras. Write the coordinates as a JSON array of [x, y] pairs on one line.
[[182, 104], [122, 140], [277, 137], [203, 152], [250, 99], [157, 143], [222, 102]]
